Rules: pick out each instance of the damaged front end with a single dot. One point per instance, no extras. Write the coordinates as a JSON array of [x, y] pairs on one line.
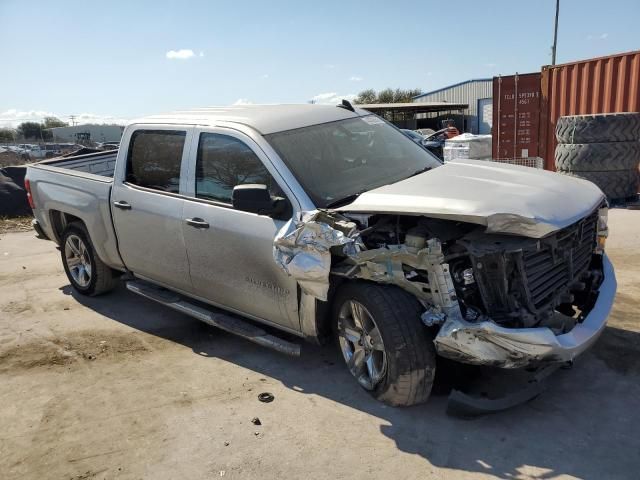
[[500, 300]]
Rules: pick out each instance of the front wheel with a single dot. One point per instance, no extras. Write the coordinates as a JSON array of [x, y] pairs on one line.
[[87, 273], [383, 342]]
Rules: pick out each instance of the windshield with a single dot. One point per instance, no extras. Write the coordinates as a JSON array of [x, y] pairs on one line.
[[412, 134], [334, 161]]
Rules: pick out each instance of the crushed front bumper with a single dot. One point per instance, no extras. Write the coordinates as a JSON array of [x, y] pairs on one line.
[[487, 343]]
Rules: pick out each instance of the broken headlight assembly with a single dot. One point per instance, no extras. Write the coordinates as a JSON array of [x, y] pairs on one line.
[[603, 229]]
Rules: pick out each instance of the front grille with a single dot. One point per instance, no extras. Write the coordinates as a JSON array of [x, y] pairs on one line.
[[559, 261]]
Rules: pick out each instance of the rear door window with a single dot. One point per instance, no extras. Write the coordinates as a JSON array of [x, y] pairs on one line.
[[154, 159]]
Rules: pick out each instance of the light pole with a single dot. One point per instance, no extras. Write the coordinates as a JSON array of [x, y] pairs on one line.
[[555, 35]]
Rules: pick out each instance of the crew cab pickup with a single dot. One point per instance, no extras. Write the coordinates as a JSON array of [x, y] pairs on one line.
[[327, 221]]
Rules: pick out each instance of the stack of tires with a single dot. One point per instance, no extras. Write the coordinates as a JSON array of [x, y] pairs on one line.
[[603, 148]]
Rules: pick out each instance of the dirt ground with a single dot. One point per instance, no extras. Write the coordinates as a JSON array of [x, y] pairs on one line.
[[119, 387], [15, 224]]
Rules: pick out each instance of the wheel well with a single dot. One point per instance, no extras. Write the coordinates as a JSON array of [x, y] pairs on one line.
[[60, 220]]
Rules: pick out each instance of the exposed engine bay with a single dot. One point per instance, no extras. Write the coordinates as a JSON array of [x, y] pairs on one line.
[[462, 275]]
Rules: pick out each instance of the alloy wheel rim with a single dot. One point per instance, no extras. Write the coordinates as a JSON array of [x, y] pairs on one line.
[[78, 261], [361, 344]]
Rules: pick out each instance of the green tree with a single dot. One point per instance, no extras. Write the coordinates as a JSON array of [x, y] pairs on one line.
[[51, 122], [388, 95], [33, 131], [7, 135], [366, 96]]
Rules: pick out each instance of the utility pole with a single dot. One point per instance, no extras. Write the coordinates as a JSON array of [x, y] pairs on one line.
[[555, 35], [73, 117]]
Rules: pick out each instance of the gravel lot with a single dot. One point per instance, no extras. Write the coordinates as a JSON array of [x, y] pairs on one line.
[[119, 387]]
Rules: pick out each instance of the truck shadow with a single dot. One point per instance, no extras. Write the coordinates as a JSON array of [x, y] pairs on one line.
[[584, 426]]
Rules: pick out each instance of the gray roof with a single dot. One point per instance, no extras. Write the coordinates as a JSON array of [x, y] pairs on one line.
[[263, 118], [422, 107], [473, 80]]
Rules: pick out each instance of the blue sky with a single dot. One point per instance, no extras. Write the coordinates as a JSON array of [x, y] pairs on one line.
[[109, 60]]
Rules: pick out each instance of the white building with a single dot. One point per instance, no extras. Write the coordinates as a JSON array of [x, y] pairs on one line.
[[89, 132]]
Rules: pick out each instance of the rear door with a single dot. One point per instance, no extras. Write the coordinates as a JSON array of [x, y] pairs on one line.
[[230, 251], [147, 207]]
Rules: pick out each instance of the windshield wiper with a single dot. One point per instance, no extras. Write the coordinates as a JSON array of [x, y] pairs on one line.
[[344, 200]]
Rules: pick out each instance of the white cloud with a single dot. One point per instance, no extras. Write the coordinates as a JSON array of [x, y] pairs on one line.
[[490, 65], [100, 119], [14, 117], [201, 54], [243, 101], [604, 36], [331, 98], [182, 54], [265, 75], [329, 66], [355, 78]]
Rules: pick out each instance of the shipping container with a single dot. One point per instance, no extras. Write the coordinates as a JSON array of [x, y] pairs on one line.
[[516, 116], [600, 85]]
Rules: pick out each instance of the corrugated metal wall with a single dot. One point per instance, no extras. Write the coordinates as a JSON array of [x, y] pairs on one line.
[[467, 92], [600, 85]]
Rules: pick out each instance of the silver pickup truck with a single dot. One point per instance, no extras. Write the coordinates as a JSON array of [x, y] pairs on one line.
[[327, 221]]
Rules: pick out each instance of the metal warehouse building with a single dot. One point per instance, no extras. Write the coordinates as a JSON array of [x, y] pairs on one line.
[[477, 93], [88, 132]]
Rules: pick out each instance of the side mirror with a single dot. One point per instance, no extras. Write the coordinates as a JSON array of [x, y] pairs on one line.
[[255, 198]]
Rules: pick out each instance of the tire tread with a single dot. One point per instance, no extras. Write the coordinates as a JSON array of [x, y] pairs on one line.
[[596, 128], [414, 353], [615, 184], [597, 157]]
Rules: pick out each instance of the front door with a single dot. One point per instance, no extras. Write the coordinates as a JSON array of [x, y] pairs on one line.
[[231, 252], [147, 208]]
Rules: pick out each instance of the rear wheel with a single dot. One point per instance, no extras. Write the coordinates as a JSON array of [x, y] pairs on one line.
[[87, 273], [384, 344]]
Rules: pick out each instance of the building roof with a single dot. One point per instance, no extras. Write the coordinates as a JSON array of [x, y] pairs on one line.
[[473, 80], [74, 128], [263, 118], [422, 107]]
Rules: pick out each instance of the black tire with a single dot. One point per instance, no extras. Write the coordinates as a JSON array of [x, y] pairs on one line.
[[410, 352], [604, 127], [102, 277], [598, 157], [616, 184]]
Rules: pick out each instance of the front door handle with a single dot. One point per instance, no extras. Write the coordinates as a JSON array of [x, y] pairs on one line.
[[197, 222], [122, 205]]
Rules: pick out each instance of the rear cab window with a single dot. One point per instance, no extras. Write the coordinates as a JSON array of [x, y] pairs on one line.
[[154, 159]]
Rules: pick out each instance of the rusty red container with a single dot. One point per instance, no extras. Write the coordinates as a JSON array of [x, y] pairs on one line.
[[516, 116], [599, 85]]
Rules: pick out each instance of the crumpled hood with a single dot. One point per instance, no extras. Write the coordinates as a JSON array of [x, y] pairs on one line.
[[504, 198]]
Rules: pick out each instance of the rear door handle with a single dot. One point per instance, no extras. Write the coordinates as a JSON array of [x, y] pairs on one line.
[[122, 205], [197, 222]]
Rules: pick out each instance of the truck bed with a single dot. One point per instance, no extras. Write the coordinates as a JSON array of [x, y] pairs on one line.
[[100, 163], [79, 186]]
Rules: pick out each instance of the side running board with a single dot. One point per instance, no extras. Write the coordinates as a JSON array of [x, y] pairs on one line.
[[213, 317]]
